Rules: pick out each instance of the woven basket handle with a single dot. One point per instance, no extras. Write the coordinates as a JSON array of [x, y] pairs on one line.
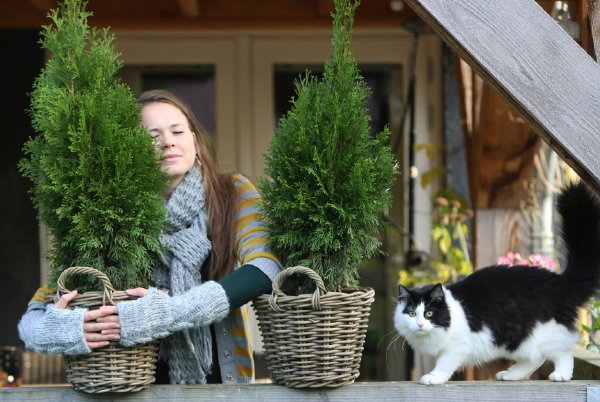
[[108, 287], [287, 272]]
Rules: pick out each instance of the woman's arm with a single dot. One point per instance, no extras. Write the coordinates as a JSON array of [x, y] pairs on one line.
[[157, 315], [245, 284], [53, 329]]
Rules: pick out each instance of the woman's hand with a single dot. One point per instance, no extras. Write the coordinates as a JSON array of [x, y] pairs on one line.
[[99, 326], [137, 292], [107, 326], [65, 299]]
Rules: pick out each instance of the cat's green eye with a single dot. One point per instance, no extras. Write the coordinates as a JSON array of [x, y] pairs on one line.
[[412, 314], [428, 314]]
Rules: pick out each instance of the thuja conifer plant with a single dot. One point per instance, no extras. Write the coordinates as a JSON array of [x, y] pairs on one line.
[[96, 176], [329, 179]]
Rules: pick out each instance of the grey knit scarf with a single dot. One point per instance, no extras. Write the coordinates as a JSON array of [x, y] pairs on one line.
[[188, 352]]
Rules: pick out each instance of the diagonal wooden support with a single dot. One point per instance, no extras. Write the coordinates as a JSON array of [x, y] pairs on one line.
[[534, 65]]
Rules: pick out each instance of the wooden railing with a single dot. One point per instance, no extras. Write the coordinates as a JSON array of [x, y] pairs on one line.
[[586, 388], [529, 391]]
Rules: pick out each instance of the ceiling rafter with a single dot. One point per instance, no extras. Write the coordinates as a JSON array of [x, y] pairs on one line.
[[43, 5], [189, 8], [324, 7]]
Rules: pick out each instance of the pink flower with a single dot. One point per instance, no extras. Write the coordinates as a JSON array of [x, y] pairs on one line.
[[534, 260], [541, 261], [513, 256]]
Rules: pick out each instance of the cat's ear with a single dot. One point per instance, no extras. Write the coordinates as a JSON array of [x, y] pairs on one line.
[[403, 293], [437, 293]]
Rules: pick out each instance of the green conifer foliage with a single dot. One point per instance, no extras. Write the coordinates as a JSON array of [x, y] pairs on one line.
[[96, 175], [329, 179]]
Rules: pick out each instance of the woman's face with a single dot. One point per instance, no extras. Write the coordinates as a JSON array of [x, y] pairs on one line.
[[174, 139]]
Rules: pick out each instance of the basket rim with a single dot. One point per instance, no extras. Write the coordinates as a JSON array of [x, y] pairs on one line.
[[91, 298], [329, 301], [349, 291]]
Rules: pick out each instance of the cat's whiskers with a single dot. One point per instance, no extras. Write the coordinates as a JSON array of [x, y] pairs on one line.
[[387, 349], [393, 333]]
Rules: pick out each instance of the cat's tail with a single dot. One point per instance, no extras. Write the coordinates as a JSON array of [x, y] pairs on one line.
[[579, 208]]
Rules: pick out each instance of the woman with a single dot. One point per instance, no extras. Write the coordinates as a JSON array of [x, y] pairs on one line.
[[213, 227]]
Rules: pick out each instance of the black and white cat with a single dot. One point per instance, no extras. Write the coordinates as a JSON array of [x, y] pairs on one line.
[[526, 314]]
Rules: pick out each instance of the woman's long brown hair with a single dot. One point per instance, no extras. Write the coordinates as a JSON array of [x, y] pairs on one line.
[[219, 191]]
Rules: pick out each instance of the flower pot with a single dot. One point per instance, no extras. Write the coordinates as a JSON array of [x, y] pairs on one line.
[[113, 368], [313, 340]]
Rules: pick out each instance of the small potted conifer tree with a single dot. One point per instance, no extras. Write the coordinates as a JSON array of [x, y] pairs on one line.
[[329, 184], [97, 186]]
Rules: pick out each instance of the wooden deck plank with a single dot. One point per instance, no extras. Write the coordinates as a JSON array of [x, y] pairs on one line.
[[534, 65], [530, 391]]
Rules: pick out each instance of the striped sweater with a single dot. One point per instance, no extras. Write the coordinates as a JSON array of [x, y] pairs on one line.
[[232, 335], [252, 237]]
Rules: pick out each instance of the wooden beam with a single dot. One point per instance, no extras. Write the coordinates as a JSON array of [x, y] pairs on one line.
[[189, 8], [594, 18], [44, 5], [534, 65], [325, 7]]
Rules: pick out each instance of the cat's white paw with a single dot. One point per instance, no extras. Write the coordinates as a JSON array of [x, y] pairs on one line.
[[505, 376], [500, 375], [556, 376], [433, 379], [508, 375]]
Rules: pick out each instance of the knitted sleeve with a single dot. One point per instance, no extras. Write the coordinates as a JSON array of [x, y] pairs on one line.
[[158, 315], [252, 236], [45, 329]]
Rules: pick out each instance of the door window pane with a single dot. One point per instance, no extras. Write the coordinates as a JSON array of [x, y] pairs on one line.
[[194, 84], [379, 79]]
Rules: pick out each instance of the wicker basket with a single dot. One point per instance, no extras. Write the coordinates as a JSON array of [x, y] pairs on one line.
[[113, 368], [313, 340]]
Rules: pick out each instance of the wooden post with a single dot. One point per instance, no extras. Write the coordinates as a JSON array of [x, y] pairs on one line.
[[534, 65], [594, 18]]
